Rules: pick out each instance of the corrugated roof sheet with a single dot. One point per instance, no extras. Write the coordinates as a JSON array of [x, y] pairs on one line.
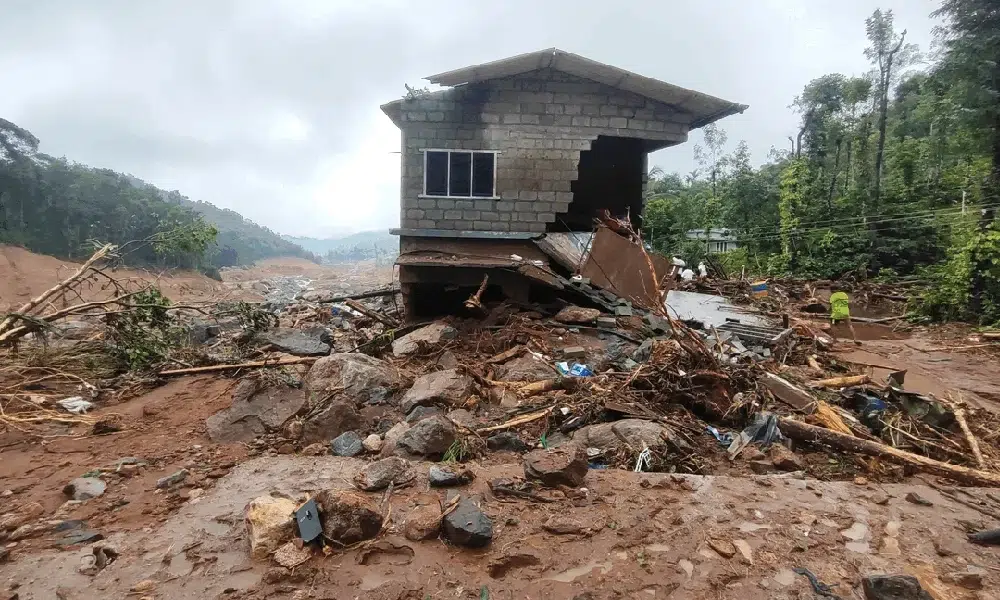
[[702, 108]]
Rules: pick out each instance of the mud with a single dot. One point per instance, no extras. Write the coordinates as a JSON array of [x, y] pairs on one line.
[[642, 536]]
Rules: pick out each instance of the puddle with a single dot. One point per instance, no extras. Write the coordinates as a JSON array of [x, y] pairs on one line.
[[570, 575]]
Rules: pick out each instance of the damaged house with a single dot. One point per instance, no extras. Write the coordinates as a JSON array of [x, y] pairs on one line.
[[509, 171]]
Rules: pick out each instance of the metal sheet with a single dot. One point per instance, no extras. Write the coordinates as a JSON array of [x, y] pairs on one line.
[[621, 267], [709, 310], [566, 248]]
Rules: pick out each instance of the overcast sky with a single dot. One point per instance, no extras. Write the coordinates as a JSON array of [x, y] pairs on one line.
[[271, 107]]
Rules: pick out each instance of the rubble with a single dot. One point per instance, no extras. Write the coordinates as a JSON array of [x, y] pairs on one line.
[[270, 523]]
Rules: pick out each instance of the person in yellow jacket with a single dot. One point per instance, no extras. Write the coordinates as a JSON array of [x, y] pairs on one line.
[[840, 310]]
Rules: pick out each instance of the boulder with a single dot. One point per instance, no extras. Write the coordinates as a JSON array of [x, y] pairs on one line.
[[635, 431], [423, 522], [200, 333], [300, 342], [893, 587], [85, 488], [525, 368], [468, 526], [356, 377], [448, 475], [577, 315], [346, 444], [565, 465], [336, 417], [391, 438], [254, 412], [348, 516], [505, 441], [270, 523], [448, 388], [422, 412], [462, 417], [784, 459], [431, 335], [379, 474], [429, 437], [372, 443]]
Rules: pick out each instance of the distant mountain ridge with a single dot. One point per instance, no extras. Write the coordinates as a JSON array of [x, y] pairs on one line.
[[376, 239]]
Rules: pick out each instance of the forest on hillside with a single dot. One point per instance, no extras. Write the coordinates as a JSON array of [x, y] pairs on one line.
[[57, 207], [894, 172]]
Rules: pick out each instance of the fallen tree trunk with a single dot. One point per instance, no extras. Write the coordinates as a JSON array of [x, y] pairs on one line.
[[361, 308], [803, 432], [247, 365]]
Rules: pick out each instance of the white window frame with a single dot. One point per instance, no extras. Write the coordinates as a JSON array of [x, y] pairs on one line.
[[471, 166]]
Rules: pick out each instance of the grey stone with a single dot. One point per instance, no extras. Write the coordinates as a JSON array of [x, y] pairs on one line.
[[607, 322], [506, 441], [657, 323], [346, 444], [172, 479], [355, 376], [448, 475], [299, 342], [525, 368], [318, 296], [467, 525], [199, 333], [565, 465], [85, 488], [379, 474], [448, 387], [422, 412], [636, 432], [893, 587], [431, 335], [255, 412], [392, 436], [429, 437], [916, 498], [333, 419], [623, 311], [462, 417], [642, 353], [574, 352]]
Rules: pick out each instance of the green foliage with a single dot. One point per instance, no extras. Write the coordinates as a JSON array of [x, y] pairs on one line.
[[142, 333], [967, 285]]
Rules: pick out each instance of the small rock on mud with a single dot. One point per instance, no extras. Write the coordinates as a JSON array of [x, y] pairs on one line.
[[423, 522], [468, 526], [85, 488], [915, 498], [565, 465], [348, 516], [784, 459], [172, 479], [506, 441], [379, 474], [347, 444], [372, 443], [448, 475]]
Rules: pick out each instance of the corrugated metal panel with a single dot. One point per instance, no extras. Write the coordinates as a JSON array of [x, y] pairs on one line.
[[702, 108]]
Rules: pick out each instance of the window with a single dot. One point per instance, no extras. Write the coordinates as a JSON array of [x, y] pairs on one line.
[[459, 173]]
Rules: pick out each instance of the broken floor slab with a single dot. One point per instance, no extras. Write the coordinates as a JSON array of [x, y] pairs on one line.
[[709, 310]]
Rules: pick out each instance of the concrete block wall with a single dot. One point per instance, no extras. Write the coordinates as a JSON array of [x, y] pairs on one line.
[[539, 123]]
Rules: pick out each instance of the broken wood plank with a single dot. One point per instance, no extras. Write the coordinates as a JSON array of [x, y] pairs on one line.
[[831, 419], [814, 364], [838, 382], [803, 432], [969, 437], [506, 355], [361, 308], [361, 296], [516, 421], [247, 365], [791, 395]]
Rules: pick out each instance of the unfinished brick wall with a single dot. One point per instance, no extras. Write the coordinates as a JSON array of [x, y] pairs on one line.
[[539, 122]]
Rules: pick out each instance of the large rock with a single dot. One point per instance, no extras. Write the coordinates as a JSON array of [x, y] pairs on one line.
[[577, 315], [448, 387], [430, 335], [85, 488], [893, 587], [606, 435], [423, 522], [429, 437], [525, 368], [348, 516], [254, 412], [422, 412], [346, 444], [565, 465], [468, 526], [301, 342], [379, 474], [506, 441], [391, 438], [270, 523], [334, 418], [357, 377], [449, 475]]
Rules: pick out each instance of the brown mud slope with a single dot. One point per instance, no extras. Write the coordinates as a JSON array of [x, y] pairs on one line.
[[627, 536], [24, 275]]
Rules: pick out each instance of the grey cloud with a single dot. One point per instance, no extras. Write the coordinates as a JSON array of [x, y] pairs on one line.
[[188, 95]]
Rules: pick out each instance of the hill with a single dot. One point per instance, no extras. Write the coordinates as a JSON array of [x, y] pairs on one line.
[[356, 246], [57, 207]]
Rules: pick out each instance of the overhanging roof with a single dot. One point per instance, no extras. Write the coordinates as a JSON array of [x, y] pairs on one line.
[[702, 108]]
